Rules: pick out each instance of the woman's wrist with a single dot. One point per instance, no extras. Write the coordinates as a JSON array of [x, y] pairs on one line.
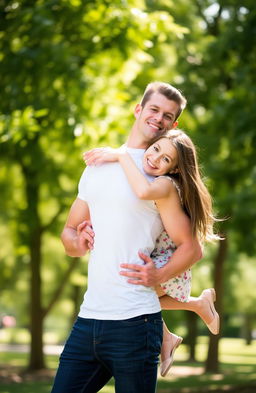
[[122, 155]]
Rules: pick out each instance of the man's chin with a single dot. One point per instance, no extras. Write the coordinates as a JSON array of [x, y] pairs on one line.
[[153, 133]]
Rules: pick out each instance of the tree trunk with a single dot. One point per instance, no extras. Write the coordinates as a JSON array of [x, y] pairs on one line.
[[34, 234], [192, 334], [212, 361], [248, 326], [36, 361], [76, 297]]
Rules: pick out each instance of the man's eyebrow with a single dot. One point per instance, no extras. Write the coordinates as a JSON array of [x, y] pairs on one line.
[[156, 106]]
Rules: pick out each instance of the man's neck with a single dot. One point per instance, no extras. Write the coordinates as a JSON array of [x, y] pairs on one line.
[[135, 141]]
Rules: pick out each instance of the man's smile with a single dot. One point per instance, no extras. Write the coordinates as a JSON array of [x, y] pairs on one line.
[[155, 126]]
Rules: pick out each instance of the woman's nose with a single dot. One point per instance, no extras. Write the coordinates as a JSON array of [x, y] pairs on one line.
[[156, 157]]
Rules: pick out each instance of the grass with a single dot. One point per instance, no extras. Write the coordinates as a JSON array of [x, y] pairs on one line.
[[237, 368]]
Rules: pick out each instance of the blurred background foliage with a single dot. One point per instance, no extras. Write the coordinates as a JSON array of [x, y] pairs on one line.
[[71, 74]]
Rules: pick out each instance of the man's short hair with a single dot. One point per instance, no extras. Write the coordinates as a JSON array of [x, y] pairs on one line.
[[169, 91]]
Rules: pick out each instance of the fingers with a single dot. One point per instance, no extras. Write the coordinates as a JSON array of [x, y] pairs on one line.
[[85, 224], [81, 226], [136, 282], [94, 158], [134, 271], [134, 278], [145, 257], [100, 156], [88, 154], [141, 274], [130, 274], [85, 238], [131, 266], [86, 233]]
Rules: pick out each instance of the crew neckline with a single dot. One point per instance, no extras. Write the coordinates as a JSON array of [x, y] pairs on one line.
[[133, 150]]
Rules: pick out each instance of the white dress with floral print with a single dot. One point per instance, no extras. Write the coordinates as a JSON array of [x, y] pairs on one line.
[[178, 287]]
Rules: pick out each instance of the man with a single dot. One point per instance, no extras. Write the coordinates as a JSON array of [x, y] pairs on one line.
[[119, 328]]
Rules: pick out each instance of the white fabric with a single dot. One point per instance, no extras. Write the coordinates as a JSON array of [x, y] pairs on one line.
[[123, 224]]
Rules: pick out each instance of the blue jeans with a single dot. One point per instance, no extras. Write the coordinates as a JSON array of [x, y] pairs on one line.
[[96, 350]]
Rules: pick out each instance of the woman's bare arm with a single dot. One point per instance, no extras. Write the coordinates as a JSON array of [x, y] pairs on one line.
[[144, 189]]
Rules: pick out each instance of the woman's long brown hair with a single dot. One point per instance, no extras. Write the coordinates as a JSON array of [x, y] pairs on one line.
[[196, 199]]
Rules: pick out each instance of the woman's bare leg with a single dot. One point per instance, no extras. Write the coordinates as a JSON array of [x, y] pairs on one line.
[[203, 306]]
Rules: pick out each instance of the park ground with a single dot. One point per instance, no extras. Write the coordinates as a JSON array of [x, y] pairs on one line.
[[237, 373]]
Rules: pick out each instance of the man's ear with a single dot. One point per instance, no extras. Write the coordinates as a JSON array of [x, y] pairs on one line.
[[175, 124], [137, 110]]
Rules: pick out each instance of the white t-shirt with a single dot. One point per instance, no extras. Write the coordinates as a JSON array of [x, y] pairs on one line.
[[123, 224]]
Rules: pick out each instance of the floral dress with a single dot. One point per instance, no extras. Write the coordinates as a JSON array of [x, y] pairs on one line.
[[178, 287]]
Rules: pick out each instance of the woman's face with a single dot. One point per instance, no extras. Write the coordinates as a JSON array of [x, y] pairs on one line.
[[160, 158]]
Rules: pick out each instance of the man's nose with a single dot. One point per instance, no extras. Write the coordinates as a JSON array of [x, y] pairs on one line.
[[158, 116]]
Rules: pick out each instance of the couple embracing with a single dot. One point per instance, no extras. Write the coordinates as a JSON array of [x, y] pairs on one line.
[[143, 213]]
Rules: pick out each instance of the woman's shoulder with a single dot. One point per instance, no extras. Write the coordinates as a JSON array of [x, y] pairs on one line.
[[173, 183]]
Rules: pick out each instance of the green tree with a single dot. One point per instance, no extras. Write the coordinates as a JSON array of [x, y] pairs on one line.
[[61, 65], [220, 73], [215, 68]]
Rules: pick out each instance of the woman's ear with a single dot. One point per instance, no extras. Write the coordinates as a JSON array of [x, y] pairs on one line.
[[174, 170]]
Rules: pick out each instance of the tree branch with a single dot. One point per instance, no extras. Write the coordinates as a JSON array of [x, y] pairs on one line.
[[50, 223], [212, 27], [61, 286]]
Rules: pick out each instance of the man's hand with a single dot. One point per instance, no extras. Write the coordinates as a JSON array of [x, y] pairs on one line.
[[147, 274], [85, 235]]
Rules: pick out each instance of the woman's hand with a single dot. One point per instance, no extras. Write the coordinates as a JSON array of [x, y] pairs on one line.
[[101, 155]]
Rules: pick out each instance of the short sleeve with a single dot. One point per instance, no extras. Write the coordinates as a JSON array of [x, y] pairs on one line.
[[82, 186]]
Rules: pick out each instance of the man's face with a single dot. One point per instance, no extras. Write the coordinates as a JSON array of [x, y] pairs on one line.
[[157, 116]]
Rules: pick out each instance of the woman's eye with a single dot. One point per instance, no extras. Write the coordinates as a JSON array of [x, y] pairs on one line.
[[166, 160], [155, 148]]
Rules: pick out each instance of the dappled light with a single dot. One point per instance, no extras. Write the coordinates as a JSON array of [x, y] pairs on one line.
[[71, 75]]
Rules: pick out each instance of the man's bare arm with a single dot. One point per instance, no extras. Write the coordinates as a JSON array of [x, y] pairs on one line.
[[77, 235], [178, 226]]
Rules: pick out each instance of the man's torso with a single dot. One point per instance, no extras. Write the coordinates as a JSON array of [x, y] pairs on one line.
[[123, 225]]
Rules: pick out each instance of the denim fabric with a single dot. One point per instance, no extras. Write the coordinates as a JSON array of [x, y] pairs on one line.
[[96, 350]]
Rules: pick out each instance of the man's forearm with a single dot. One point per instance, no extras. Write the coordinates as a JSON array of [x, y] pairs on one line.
[[182, 259], [70, 240]]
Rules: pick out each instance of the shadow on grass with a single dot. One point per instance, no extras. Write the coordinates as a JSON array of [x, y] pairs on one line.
[[29, 387]]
